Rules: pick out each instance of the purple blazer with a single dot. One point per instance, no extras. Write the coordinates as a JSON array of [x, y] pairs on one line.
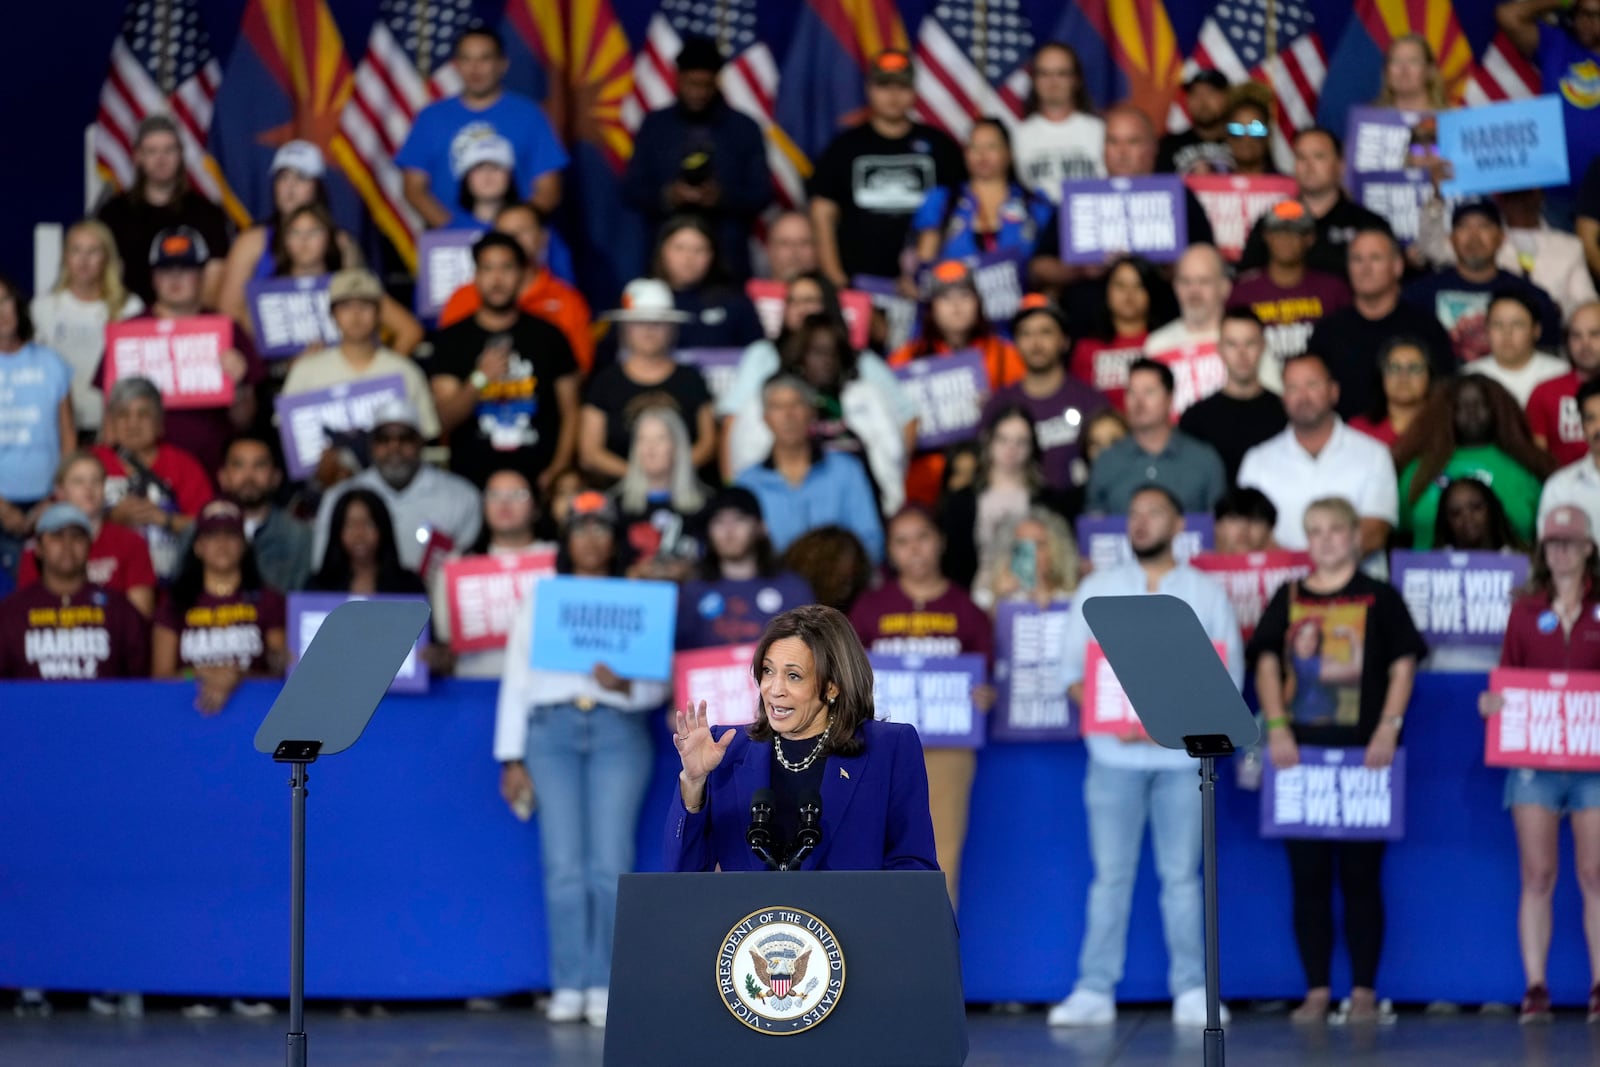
[[874, 809]]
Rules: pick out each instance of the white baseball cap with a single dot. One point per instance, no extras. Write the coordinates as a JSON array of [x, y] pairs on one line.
[[302, 157], [647, 300], [491, 149]]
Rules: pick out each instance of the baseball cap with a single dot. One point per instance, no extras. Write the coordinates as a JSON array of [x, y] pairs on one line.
[[735, 498], [1288, 216], [1037, 304], [950, 274], [178, 246], [591, 506], [220, 516], [1481, 206], [892, 66], [1212, 77], [302, 157], [354, 284], [647, 300], [58, 517], [1565, 523], [491, 149], [397, 413]]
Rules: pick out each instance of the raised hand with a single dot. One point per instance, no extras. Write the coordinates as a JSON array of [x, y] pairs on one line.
[[700, 752]]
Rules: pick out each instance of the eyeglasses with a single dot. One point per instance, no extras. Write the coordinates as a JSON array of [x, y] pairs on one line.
[[1253, 128], [1406, 370], [508, 496]]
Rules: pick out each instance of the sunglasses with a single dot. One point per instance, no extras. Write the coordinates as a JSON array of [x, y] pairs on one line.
[[1253, 128]]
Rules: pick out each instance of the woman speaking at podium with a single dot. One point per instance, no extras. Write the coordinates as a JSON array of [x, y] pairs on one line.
[[814, 745]]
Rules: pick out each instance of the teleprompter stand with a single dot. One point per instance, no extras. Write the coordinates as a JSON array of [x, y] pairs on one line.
[[323, 709], [1184, 697]]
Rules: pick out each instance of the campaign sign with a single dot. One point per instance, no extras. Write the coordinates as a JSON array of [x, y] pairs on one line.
[[1377, 139], [769, 296], [1106, 707], [949, 392], [291, 315], [182, 357], [1252, 579], [1461, 599], [1106, 217], [484, 593], [1030, 673], [627, 625], [1103, 539], [1197, 372], [899, 311], [444, 264], [305, 420], [1234, 202], [1397, 195], [307, 612], [934, 694], [716, 365], [722, 678], [1498, 148], [1331, 795], [999, 278], [1550, 721]]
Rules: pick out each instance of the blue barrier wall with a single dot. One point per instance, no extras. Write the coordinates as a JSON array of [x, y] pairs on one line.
[[144, 847]]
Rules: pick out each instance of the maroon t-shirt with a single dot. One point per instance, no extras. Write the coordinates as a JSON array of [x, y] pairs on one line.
[[1534, 640], [1058, 422], [887, 621], [95, 633], [1290, 313], [119, 559], [225, 631]]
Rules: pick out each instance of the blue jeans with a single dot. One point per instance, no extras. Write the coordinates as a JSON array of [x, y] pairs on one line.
[[1119, 801], [590, 770]]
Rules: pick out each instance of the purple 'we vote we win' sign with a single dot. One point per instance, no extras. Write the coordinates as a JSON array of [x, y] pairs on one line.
[[1330, 794], [934, 694], [1030, 669], [1103, 539], [949, 393], [716, 365], [307, 611], [305, 420], [444, 264], [1106, 217], [1459, 599], [291, 315]]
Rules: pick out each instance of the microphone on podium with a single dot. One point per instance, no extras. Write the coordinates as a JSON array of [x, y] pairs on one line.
[[759, 835], [809, 835]]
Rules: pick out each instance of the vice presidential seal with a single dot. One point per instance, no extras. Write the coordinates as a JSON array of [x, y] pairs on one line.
[[780, 971]]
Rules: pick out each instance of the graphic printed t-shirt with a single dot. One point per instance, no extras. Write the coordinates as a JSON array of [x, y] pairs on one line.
[[1568, 68], [1104, 364], [889, 622], [735, 612], [225, 631], [1462, 308], [444, 130], [33, 382], [94, 633], [1058, 421], [621, 399], [1553, 416], [1048, 152], [1289, 313]]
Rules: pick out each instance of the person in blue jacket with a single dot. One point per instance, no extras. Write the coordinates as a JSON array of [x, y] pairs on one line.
[[814, 735]]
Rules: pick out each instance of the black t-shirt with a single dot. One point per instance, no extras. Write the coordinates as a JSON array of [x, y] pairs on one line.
[[1334, 233], [1336, 650], [620, 399], [1180, 153], [878, 183], [1233, 426], [517, 421], [135, 223], [661, 532], [1349, 344]]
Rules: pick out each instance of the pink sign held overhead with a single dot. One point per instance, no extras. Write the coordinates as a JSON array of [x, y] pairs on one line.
[[1233, 203], [182, 357], [1550, 721]]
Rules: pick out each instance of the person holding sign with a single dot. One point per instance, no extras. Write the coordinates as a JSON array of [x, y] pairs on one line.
[[1554, 626], [740, 586], [1132, 782], [1335, 656], [583, 738], [1472, 519], [1319, 173], [1566, 51], [1135, 299], [815, 732]]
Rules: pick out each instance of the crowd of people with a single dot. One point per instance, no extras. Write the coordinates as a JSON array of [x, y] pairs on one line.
[[1370, 394]]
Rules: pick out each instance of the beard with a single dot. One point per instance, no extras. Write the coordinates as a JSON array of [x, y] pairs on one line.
[[1154, 550], [399, 472], [248, 498]]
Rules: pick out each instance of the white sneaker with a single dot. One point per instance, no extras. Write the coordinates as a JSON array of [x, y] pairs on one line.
[[252, 1009], [1189, 1009], [594, 1005], [200, 1009], [566, 1006], [1084, 1008]]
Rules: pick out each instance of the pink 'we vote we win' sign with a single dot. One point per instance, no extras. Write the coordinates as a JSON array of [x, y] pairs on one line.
[[1550, 720]]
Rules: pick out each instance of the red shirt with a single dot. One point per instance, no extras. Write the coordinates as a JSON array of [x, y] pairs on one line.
[[1104, 364], [1381, 431], [119, 559], [1534, 640], [887, 621], [190, 484], [1554, 419], [226, 631], [95, 633]]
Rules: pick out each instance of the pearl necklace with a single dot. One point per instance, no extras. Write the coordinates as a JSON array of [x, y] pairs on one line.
[[822, 741]]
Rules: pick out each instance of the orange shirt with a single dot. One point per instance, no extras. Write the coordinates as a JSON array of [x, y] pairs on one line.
[[546, 297]]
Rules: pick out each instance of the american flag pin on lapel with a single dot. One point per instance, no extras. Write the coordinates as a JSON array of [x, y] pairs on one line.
[[844, 773]]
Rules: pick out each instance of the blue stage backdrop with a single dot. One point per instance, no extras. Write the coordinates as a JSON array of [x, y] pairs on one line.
[[145, 847]]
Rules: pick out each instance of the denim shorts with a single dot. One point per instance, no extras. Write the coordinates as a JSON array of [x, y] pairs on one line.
[[1560, 791]]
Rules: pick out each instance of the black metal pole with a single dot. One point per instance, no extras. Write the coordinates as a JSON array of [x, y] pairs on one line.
[[1214, 1054], [297, 921]]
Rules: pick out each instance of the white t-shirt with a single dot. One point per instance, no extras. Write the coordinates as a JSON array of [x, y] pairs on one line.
[[1525, 379], [77, 330], [1048, 153], [1351, 465]]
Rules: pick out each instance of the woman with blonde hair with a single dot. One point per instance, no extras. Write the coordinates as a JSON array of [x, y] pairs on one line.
[[660, 499], [1035, 560], [1412, 80], [72, 317]]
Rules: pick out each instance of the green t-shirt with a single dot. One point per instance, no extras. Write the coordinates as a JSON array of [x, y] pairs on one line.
[[1516, 487]]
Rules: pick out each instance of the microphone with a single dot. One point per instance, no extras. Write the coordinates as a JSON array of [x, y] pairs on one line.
[[809, 835], [759, 835]]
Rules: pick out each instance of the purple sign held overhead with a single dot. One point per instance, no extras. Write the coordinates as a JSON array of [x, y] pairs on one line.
[[444, 264], [306, 419], [716, 365], [1105, 217], [1377, 139], [1460, 599], [933, 694], [1030, 673], [1331, 795], [1103, 539], [999, 278], [307, 612], [291, 315], [949, 393]]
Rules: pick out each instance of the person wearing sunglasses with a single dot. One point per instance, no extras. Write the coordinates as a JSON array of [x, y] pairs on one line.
[[1250, 137]]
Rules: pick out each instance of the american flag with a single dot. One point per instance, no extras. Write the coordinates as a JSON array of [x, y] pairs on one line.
[[1502, 74], [1233, 39], [749, 79], [161, 64], [964, 52], [407, 67]]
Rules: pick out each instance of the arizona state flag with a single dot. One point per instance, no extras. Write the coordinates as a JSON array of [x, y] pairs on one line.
[[822, 86], [1127, 51], [1357, 64]]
